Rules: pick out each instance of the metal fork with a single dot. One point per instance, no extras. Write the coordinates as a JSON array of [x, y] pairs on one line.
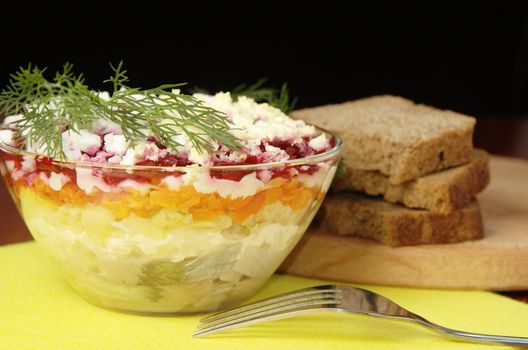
[[332, 298]]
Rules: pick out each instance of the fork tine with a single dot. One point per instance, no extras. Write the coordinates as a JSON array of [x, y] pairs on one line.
[[271, 300], [321, 297], [273, 314]]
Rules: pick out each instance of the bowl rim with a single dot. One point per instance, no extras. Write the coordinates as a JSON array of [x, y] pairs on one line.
[[332, 152]]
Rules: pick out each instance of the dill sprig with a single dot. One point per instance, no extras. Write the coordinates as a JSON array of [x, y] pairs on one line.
[[50, 107], [44, 115], [276, 98]]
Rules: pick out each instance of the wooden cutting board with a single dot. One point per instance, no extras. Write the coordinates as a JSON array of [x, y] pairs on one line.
[[499, 261]]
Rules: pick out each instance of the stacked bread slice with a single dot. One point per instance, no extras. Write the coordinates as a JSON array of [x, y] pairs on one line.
[[410, 172]]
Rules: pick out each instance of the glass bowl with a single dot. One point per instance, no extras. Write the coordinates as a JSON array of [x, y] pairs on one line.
[[153, 239]]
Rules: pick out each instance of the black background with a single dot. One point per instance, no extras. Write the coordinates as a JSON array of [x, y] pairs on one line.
[[467, 56]]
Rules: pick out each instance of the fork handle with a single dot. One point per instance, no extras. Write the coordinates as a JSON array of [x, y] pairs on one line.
[[474, 337]]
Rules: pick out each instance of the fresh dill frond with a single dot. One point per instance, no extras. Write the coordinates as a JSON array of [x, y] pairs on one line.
[[276, 98], [48, 108], [166, 114]]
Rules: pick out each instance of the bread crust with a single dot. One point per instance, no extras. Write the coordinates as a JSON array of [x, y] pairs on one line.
[[441, 192], [395, 225], [395, 136]]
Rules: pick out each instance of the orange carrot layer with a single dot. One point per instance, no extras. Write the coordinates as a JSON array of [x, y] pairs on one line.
[[186, 200]]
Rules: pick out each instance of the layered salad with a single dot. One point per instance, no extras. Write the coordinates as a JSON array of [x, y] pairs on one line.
[[158, 214]]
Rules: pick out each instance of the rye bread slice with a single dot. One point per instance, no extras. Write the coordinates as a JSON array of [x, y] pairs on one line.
[[441, 192], [396, 225], [395, 136]]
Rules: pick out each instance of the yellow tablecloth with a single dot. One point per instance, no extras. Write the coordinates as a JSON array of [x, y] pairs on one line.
[[39, 311]]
